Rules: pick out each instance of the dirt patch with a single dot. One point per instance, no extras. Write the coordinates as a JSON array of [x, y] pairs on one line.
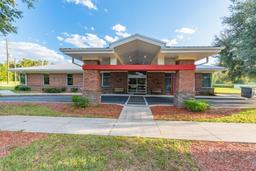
[[179, 114], [11, 140], [217, 156]]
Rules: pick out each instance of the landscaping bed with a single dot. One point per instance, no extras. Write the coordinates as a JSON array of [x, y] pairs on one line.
[[212, 115], [60, 109], [11, 140], [216, 156]]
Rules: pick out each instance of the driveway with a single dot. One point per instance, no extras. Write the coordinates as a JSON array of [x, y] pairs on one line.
[[133, 121]]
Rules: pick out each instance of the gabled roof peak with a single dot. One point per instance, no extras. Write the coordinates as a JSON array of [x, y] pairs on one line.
[[137, 37]]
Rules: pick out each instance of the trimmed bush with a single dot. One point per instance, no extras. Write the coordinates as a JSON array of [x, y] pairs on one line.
[[22, 88], [80, 101], [196, 105], [53, 90], [74, 89]]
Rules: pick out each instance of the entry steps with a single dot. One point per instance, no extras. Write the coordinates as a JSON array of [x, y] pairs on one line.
[[136, 100]]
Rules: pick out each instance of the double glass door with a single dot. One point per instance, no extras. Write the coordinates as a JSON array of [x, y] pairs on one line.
[[137, 83]]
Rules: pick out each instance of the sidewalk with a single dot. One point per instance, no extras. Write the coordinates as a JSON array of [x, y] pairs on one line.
[[133, 121]]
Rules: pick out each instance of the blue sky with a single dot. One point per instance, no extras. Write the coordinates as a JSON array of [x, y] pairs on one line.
[[94, 23]]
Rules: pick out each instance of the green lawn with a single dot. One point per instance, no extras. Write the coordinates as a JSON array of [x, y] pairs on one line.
[[246, 116], [27, 109], [5, 87], [219, 90], [85, 152]]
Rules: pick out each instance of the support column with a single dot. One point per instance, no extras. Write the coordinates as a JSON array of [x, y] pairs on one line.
[[92, 83], [185, 84]]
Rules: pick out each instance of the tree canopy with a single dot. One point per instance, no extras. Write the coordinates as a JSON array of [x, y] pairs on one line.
[[9, 13], [239, 40]]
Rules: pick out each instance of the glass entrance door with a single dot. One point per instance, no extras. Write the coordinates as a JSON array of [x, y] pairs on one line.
[[137, 83], [169, 83]]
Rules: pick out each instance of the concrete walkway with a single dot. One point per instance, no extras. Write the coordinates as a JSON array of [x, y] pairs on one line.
[[133, 121], [7, 93]]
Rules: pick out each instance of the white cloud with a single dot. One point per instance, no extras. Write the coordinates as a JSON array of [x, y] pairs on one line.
[[123, 34], [87, 3], [31, 50], [85, 41], [59, 38], [170, 42], [186, 30], [180, 36], [92, 28], [120, 30], [110, 38]]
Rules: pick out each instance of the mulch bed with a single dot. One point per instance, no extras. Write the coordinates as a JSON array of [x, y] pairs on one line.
[[216, 156], [104, 110], [11, 140], [174, 113]]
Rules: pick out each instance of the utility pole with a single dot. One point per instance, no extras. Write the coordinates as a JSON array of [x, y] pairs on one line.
[[7, 60]]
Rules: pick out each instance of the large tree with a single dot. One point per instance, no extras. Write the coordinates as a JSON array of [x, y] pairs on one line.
[[239, 40], [9, 13]]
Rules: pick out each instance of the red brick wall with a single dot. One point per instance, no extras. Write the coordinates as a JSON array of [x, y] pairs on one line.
[[155, 80], [36, 81], [185, 79], [198, 81], [78, 80], [58, 80]]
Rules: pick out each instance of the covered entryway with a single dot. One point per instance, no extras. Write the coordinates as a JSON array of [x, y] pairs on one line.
[[137, 83]]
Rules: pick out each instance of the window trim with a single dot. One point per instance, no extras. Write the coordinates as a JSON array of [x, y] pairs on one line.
[[48, 79], [102, 74], [210, 74], [26, 79], [72, 80]]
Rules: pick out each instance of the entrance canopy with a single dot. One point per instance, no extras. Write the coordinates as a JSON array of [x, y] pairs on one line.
[[139, 67], [138, 49]]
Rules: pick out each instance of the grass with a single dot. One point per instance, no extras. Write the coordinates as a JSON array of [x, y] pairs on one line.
[[27, 109], [63, 110], [5, 87], [246, 116], [219, 90], [86, 152]]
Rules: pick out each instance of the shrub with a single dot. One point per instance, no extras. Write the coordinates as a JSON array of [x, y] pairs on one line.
[[22, 88], [53, 90], [74, 89], [196, 105], [80, 101]]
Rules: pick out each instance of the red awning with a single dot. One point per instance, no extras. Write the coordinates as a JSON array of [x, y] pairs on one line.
[[139, 67]]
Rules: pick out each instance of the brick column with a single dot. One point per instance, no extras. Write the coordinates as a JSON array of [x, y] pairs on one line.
[[185, 84], [92, 84]]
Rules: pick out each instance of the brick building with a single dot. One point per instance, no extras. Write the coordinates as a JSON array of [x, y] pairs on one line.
[[133, 65]]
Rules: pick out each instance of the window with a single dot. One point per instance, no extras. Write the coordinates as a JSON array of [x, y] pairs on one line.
[[70, 79], [23, 80], [105, 79], [46, 79], [206, 80]]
